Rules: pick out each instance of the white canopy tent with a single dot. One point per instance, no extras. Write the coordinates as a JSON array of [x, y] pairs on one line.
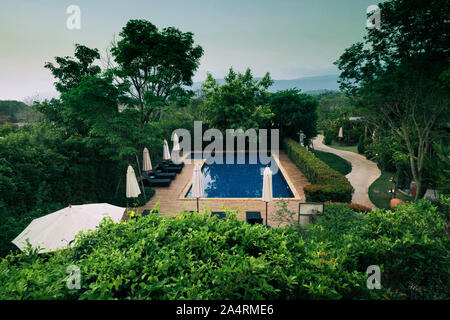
[[58, 229]]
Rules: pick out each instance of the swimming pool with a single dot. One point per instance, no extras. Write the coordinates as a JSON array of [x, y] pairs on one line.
[[239, 180]]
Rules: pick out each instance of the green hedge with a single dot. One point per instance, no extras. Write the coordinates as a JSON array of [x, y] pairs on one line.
[[410, 245], [192, 256], [326, 184]]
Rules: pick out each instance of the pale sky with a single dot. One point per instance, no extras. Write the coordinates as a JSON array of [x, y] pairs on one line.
[[288, 38]]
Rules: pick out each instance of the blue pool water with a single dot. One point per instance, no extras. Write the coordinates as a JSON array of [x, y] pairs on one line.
[[239, 180]]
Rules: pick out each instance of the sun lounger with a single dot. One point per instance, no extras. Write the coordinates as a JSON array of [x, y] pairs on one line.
[[166, 168], [253, 217], [159, 175], [155, 182], [171, 163]]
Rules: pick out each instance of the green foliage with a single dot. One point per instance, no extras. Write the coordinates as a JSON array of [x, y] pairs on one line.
[[326, 183], [334, 161], [410, 245], [240, 103], [192, 256], [440, 167], [362, 144], [284, 215], [328, 137], [332, 108], [70, 71], [121, 200], [388, 151], [44, 168], [155, 65], [186, 257], [378, 191], [409, 28], [399, 76], [12, 111], [413, 245], [294, 111]]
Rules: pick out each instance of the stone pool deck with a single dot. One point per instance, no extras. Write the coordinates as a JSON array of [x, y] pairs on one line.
[[171, 200]]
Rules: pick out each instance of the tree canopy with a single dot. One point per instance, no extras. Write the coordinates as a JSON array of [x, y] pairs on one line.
[[397, 76], [156, 64], [70, 71], [294, 112], [242, 102]]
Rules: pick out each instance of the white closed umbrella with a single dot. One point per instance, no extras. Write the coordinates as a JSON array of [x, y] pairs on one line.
[[341, 133], [176, 142], [133, 190], [166, 152], [147, 163], [197, 183], [176, 148], [267, 193], [58, 229]]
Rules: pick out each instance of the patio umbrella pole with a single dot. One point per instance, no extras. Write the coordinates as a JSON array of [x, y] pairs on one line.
[[118, 184], [197, 184], [267, 205], [140, 173]]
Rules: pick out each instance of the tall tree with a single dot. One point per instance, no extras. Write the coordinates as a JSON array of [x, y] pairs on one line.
[[156, 64], [294, 111], [69, 71], [396, 75], [240, 103]]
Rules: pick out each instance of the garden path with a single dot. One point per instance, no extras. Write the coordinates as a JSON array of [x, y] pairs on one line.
[[363, 174]]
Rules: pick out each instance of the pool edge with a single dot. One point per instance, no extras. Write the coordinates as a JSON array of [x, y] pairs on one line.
[[182, 195]]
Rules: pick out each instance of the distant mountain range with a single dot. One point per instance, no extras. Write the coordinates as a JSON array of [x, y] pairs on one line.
[[313, 85]]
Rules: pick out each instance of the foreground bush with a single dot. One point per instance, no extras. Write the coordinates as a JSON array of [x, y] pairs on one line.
[[187, 257], [44, 169], [327, 184], [355, 206], [197, 257], [410, 244]]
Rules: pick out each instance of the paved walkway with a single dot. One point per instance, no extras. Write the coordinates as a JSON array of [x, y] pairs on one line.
[[171, 200], [363, 174]]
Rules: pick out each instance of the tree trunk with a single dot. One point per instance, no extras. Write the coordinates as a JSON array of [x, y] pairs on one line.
[[415, 173]]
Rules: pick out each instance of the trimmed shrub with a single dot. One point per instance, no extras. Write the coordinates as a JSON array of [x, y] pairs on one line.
[[326, 184], [355, 206], [190, 256], [410, 245]]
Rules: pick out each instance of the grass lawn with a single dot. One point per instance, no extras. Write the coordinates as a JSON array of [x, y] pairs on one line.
[[335, 145], [378, 191], [334, 161]]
